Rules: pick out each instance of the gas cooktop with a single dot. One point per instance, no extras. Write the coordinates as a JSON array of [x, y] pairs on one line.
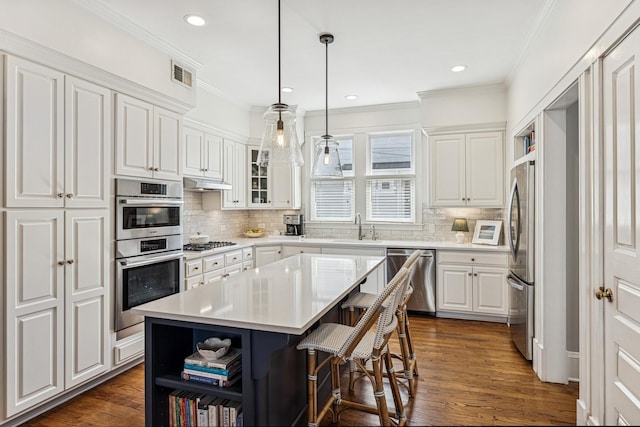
[[206, 246]]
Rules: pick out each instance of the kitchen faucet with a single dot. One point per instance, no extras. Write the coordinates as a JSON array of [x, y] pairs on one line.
[[358, 221]]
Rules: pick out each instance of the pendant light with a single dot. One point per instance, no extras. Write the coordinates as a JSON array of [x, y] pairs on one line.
[[326, 159], [279, 145]]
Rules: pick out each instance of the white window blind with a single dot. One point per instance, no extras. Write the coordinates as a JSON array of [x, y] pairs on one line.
[[332, 200], [391, 199]]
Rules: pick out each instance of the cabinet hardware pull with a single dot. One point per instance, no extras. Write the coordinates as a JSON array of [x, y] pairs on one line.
[[196, 268], [604, 293], [150, 168], [156, 169], [60, 195], [69, 261], [69, 195], [473, 259], [475, 274], [463, 199], [469, 274], [62, 262], [468, 198], [206, 170]]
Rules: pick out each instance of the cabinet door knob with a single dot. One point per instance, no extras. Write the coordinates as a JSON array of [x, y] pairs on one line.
[[473, 259], [463, 199], [62, 262], [60, 195], [278, 251], [206, 170], [150, 168], [69, 261], [468, 198], [475, 274], [469, 274], [156, 169], [69, 195]]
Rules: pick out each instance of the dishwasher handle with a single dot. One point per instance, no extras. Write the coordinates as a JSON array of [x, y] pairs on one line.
[[427, 254]]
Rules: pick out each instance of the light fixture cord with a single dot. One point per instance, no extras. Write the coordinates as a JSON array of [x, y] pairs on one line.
[[279, 66], [326, 93]]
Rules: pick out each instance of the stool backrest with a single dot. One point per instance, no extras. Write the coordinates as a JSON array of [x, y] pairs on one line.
[[410, 263], [379, 311]]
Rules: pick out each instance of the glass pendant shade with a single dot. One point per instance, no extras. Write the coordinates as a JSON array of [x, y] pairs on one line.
[[326, 160], [279, 145]]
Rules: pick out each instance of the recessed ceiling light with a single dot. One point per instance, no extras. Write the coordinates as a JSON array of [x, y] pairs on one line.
[[195, 20], [351, 97], [458, 68], [287, 89]]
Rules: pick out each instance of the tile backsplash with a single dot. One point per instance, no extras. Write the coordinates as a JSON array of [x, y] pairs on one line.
[[230, 224]]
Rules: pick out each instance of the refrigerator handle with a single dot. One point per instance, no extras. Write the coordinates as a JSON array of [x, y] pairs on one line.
[[514, 194], [515, 285]]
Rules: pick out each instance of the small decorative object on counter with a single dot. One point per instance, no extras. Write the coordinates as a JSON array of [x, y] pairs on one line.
[[255, 232], [460, 225]]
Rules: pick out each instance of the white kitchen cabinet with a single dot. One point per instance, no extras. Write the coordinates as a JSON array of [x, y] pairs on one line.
[[234, 172], [377, 279], [288, 251], [58, 138], [268, 254], [467, 169], [472, 282], [148, 140], [57, 302], [274, 186], [214, 268], [202, 153]]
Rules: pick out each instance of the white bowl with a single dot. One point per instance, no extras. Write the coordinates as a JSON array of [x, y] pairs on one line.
[[213, 348], [250, 234]]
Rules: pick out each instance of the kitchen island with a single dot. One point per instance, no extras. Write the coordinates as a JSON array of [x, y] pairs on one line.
[[266, 312]]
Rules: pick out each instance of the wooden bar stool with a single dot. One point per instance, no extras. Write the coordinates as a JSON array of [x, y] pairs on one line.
[[358, 344], [361, 301]]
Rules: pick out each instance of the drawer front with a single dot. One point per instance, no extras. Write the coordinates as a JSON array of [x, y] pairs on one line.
[[213, 262], [473, 258], [233, 257], [193, 267], [247, 254], [193, 282]]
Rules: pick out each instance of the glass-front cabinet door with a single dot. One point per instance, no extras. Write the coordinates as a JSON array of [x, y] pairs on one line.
[[259, 182]]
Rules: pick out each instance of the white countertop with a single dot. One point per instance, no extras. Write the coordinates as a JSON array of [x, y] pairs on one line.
[[287, 296], [366, 243]]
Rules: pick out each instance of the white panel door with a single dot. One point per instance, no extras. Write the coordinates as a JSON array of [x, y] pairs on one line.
[[167, 147], [484, 169], [193, 150], [447, 170], [35, 135], [621, 112], [212, 156], [490, 292], [87, 281], [281, 191], [454, 288], [87, 144], [34, 308], [134, 137], [267, 254]]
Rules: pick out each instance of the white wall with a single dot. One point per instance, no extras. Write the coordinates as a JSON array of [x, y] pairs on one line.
[[463, 106], [563, 41], [68, 28], [216, 110]]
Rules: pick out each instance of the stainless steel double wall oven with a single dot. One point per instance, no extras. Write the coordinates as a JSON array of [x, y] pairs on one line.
[[148, 246]]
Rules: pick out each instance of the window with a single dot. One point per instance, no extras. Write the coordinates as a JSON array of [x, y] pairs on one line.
[[390, 193], [333, 199], [378, 180]]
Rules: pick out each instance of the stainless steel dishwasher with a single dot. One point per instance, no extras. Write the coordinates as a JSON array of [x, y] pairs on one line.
[[423, 300]]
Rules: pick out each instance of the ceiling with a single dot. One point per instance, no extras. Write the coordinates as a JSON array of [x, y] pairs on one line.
[[385, 51]]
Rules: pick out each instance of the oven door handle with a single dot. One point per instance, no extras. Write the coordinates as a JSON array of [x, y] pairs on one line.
[[154, 202], [150, 260]]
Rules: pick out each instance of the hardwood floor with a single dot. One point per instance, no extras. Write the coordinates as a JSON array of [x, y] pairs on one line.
[[470, 374]]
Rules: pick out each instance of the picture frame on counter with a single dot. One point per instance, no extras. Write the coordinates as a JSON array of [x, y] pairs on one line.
[[487, 232]]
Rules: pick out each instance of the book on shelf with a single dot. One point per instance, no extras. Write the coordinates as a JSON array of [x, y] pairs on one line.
[[203, 410], [222, 362], [231, 369], [235, 409], [210, 375], [210, 381]]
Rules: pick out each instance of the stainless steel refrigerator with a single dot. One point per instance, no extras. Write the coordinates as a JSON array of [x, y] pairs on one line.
[[521, 237]]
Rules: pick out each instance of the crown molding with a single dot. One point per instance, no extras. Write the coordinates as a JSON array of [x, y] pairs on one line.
[[100, 9], [208, 87], [186, 121], [367, 108], [491, 126]]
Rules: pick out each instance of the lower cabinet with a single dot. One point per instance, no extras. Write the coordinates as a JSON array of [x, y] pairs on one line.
[[268, 254], [210, 269], [57, 303], [288, 251], [472, 282]]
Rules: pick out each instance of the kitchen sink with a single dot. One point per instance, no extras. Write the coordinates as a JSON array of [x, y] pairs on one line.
[[355, 241]]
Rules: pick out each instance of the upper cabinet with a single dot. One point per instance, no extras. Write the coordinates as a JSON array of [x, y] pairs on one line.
[[467, 169], [234, 173], [202, 153], [274, 186], [58, 138], [148, 141]]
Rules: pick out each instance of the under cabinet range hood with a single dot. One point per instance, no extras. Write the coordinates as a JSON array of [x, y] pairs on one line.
[[204, 184]]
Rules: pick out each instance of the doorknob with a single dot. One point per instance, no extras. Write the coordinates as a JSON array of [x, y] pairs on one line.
[[604, 293]]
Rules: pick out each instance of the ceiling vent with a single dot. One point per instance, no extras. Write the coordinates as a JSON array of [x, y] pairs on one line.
[[181, 75]]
